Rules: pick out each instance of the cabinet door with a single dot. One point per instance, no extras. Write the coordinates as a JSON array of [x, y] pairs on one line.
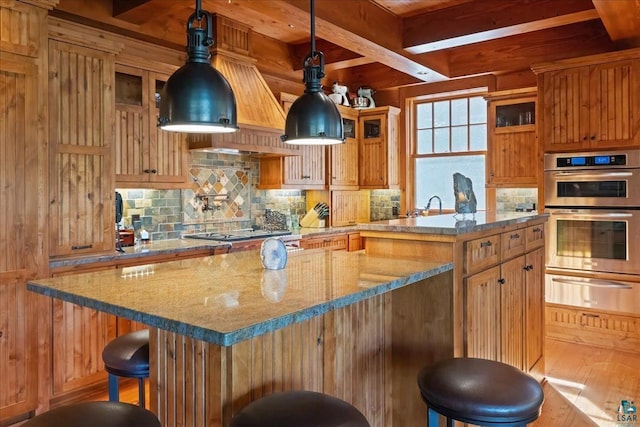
[[344, 159], [168, 152], [306, 170], [79, 336], [534, 309], [349, 207], [614, 123], [482, 314], [81, 127], [510, 158], [565, 109], [132, 125], [335, 242], [373, 151], [512, 311]]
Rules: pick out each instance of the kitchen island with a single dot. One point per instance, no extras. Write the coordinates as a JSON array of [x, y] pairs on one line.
[[226, 332], [498, 278]]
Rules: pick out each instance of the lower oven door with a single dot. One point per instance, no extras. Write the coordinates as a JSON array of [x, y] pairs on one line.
[[609, 295], [606, 240]]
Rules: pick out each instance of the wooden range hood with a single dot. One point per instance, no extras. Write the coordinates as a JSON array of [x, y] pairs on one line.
[[260, 118]]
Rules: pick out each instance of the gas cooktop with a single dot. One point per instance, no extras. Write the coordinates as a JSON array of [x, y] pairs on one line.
[[234, 236]]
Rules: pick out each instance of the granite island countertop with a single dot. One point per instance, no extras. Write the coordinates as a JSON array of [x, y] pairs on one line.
[[451, 224], [224, 299]]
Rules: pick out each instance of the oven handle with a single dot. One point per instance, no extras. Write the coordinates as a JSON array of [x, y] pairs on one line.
[[593, 283], [591, 215], [593, 175]]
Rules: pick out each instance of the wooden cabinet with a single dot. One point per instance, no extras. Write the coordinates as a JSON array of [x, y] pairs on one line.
[[349, 207], [21, 161], [591, 102], [379, 159], [145, 156], [504, 299], [343, 158], [336, 241], [512, 142], [306, 171], [81, 141]]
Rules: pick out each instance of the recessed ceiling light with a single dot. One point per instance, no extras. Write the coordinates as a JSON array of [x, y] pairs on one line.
[[422, 73]]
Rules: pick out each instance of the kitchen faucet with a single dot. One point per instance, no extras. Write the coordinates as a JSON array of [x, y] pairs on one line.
[[439, 204]]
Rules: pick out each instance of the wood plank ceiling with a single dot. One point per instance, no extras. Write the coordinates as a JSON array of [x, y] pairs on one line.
[[390, 43]]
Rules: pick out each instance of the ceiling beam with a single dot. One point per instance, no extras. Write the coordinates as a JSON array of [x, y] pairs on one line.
[[357, 28], [490, 19], [333, 54], [121, 7], [621, 19], [520, 52]]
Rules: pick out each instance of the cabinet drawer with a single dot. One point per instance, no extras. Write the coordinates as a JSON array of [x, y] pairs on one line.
[[512, 243], [590, 327], [481, 253], [534, 237], [335, 242]]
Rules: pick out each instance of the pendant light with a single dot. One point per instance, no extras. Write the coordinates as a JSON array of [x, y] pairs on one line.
[[313, 118], [197, 98]]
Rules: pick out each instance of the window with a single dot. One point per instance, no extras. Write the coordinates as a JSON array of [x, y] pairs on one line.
[[450, 136]]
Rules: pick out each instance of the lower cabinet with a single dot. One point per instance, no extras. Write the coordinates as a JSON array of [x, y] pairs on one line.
[[504, 303]]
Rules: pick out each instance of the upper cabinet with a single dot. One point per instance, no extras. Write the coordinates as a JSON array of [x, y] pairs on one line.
[[145, 155], [306, 171], [590, 103], [343, 158], [379, 160], [81, 81], [512, 139]]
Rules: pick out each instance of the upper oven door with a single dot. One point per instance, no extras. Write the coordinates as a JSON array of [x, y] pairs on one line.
[[594, 239], [592, 188]]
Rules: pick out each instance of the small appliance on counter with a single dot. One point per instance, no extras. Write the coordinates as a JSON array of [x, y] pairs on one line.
[[315, 217], [364, 98]]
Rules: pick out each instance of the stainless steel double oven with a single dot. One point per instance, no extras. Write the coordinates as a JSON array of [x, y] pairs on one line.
[[593, 202]]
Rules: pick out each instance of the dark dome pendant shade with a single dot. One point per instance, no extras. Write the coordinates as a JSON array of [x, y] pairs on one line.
[[313, 118], [197, 98]]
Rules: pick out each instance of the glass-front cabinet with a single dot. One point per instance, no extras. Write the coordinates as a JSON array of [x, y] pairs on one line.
[[512, 145], [145, 155]]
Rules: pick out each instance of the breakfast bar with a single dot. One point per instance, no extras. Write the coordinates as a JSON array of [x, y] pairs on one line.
[[225, 331]]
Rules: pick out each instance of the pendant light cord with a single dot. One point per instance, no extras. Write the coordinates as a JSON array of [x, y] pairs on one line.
[[199, 10], [313, 28]]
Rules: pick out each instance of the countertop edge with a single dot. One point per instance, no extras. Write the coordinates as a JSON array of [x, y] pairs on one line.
[[233, 337]]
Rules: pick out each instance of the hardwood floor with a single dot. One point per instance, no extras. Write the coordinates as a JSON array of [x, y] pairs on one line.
[[584, 386]]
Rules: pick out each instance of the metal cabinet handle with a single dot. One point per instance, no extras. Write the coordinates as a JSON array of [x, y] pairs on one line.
[[150, 171], [1, 334], [306, 176], [528, 267], [514, 236], [537, 230], [485, 244], [76, 247], [502, 281]]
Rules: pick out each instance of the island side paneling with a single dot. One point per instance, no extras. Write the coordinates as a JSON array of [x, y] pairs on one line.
[[367, 353]]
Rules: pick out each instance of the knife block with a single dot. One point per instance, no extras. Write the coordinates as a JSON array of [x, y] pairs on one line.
[[311, 220]]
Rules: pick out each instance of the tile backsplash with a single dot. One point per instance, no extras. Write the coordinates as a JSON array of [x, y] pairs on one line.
[[510, 199]]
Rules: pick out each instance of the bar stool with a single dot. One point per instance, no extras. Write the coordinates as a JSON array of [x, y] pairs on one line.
[[96, 414], [127, 356], [299, 409], [480, 392]]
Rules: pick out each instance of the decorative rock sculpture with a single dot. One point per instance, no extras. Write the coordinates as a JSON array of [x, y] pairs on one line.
[[273, 254], [463, 193]]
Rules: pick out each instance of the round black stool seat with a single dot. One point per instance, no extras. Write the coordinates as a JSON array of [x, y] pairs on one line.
[[127, 356], [299, 409], [96, 414], [481, 392]]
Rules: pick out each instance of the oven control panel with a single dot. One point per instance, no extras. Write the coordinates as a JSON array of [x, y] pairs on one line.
[[590, 161]]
